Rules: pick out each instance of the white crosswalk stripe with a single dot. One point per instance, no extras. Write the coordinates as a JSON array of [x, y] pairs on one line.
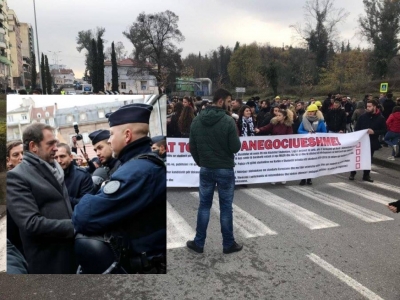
[[384, 186], [345, 206], [179, 231], [245, 224], [343, 277], [294, 211], [361, 192]]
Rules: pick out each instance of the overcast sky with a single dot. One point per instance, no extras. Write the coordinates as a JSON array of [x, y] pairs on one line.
[[205, 24], [14, 101]]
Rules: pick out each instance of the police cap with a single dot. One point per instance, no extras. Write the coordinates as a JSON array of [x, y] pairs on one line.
[[158, 138], [131, 113], [99, 135]]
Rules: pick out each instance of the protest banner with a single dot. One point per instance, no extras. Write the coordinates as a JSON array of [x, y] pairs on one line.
[[278, 158]]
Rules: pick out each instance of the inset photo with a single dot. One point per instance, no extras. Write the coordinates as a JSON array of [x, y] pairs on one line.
[[86, 184]]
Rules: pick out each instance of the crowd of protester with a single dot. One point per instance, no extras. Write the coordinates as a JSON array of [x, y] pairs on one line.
[[278, 116]]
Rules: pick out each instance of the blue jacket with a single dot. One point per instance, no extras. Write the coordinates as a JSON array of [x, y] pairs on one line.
[[78, 182], [320, 128], [132, 203]]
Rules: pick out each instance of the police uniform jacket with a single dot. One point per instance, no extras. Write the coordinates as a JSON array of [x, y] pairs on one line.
[[40, 207], [78, 182], [132, 203]]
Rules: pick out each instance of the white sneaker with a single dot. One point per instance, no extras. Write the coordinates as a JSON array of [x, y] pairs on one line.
[[391, 158], [283, 182]]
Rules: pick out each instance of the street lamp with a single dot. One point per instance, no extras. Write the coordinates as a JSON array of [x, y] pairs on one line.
[[37, 41]]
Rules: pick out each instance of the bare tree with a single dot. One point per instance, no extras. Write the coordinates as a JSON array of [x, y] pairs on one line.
[[153, 37], [119, 51]]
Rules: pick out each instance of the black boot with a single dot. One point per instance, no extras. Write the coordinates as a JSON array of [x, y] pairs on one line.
[[352, 175], [303, 182], [309, 182]]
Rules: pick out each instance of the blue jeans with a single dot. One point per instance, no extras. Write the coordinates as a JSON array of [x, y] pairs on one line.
[[225, 181], [392, 139]]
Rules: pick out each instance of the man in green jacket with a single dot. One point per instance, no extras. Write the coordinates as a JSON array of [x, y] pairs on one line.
[[213, 143]]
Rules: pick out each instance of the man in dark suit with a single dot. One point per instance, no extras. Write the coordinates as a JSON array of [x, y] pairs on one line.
[[78, 180], [38, 201]]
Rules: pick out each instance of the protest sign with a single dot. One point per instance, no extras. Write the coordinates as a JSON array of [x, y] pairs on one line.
[[278, 158]]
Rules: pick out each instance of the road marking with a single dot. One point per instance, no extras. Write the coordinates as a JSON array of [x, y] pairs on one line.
[[179, 231], [299, 214], [362, 192], [245, 224], [347, 207], [385, 186], [343, 277]]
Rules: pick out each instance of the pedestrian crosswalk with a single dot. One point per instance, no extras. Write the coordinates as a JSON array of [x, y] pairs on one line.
[[341, 197]]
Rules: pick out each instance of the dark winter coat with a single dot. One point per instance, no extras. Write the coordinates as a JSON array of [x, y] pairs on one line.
[[261, 116], [173, 128], [78, 182], [214, 139], [360, 110], [376, 122], [336, 120], [40, 207], [388, 105], [348, 108]]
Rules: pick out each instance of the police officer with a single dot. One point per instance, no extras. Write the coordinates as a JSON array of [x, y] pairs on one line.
[[78, 180], [126, 219], [103, 151], [159, 146]]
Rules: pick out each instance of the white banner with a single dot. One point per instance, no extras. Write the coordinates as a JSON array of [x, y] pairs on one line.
[[278, 158]]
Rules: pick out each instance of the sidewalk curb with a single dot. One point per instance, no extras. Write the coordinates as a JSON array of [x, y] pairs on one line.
[[386, 163]]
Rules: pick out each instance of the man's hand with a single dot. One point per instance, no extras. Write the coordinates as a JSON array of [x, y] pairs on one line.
[[370, 131], [256, 130], [341, 131], [86, 156], [392, 208]]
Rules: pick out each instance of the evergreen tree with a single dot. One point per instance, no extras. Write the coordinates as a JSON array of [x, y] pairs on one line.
[[48, 76], [94, 74], [43, 75], [342, 48], [348, 48], [381, 26], [33, 72], [237, 45], [114, 70], [100, 63]]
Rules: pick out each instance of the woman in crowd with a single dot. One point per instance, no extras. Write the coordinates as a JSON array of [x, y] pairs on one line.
[[392, 136], [172, 126], [312, 122], [245, 123], [185, 120], [188, 101], [279, 125], [272, 114], [14, 154]]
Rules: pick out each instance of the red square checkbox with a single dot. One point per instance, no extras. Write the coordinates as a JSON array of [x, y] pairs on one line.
[[358, 145], [358, 151], [358, 166], [358, 158]]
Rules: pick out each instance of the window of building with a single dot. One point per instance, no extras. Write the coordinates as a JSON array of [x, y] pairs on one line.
[[101, 114], [70, 118], [83, 116], [123, 85], [143, 84], [24, 117], [39, 116], [10, 119], [47, 121], [43, 121], [47, 114]]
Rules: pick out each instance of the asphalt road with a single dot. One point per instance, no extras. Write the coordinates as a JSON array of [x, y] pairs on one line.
[[333, 240]]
